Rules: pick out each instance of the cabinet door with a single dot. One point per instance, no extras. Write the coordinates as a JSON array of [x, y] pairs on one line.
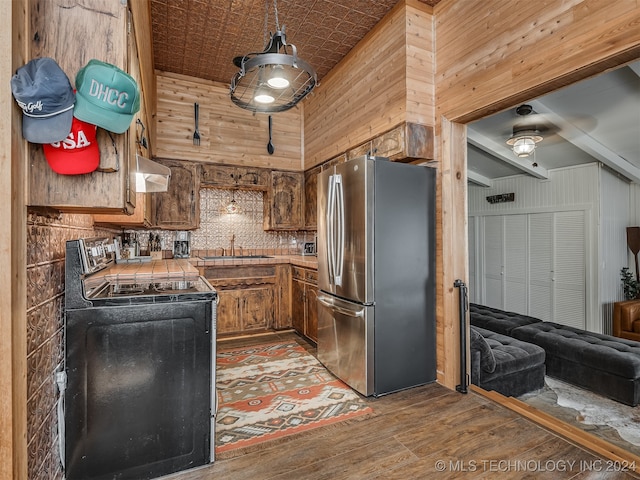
[[224, 176], [283, 297], [179, 207], [310, 198], [297, 306], [54, 26], [257, 308], [311, 304], [228, 318], [283, 205]]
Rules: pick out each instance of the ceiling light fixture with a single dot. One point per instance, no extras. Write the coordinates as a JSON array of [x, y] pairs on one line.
[[525, 136], [273, 80], [524, 142]]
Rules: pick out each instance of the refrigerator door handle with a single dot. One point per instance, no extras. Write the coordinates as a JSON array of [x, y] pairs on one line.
[[327, 302], [340, 225], [330, 228]]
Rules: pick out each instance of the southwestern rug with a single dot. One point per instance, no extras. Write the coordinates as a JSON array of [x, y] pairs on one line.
[[271, 391]]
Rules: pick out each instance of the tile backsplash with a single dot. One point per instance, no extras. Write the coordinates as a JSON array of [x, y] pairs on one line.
[[217, 226]]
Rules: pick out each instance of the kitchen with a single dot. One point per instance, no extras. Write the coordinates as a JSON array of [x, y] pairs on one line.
[[326, 136]]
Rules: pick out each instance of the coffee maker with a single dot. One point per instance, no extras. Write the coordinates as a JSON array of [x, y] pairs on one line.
[[182, 245]]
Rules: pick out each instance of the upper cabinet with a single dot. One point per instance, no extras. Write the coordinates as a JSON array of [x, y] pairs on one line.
[[179, 207], [310, 198], [68, 36], [283, 201], [229, 176]]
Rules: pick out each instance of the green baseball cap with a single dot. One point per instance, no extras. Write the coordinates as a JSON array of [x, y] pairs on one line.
[[106, 96]]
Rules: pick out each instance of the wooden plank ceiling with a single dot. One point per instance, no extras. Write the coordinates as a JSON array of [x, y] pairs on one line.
[[200, 38]]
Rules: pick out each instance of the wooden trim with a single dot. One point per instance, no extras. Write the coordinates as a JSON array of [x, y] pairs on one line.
[[492, 58], [574, 434], [13, 217], [452, 256], [141, 15]]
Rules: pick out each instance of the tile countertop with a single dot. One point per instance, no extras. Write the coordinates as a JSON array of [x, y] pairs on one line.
[[141, 272], [297, 260]]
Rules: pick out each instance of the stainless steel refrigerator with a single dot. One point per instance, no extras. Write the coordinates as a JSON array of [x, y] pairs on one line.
[[376, 274]]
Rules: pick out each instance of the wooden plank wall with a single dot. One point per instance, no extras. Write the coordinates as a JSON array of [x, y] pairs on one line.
[[13, 218], [493, 55], [385, 80], [229, 134]]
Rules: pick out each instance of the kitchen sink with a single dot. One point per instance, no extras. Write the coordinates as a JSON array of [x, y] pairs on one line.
[[235, 257]]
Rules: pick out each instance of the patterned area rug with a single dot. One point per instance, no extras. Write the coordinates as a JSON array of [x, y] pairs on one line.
[[613, 421], [270, 391]]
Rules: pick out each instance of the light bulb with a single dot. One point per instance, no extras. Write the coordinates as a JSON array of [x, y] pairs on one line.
[[277, 79]]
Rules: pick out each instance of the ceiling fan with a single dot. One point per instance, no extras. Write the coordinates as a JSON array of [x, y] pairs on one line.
[[527, 133]]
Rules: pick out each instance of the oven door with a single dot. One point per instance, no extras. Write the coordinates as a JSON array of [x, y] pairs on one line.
[[138, 396]]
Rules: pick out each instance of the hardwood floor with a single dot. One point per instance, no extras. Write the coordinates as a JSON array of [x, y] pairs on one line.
[[424, 432]]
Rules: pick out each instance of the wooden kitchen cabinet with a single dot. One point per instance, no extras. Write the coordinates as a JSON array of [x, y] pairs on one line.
[[283, 201], [141, 217], [304, 302], [69, 39], [179, 207], [226, 176], [247, 295], [283, 297], [310, 198], [241, 311], [405, 142]]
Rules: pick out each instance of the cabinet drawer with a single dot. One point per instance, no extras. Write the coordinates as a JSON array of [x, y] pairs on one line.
[[304, 274], [239, 271], [311, 276]]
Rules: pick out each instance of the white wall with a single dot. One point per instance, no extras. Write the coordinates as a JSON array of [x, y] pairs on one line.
[[579, 188], [614, 218]]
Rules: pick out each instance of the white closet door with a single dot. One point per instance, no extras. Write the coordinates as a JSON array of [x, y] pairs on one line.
[[515, 263], [493, 261], [541, 242], [570, 269]]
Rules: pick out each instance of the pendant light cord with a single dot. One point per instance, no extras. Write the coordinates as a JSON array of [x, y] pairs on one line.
[[266, 19], [275, 12]]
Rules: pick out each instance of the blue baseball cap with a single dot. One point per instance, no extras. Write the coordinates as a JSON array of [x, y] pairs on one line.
[[46, 97]]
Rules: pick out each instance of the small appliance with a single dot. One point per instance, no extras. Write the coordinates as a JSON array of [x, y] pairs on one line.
[[309, 248], [182, 245]]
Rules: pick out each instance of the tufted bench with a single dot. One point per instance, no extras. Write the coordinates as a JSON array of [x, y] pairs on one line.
[[604, 364], [504, 364], [499, 321]]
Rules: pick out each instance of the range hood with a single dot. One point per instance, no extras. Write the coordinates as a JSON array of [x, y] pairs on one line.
[[150, 176]]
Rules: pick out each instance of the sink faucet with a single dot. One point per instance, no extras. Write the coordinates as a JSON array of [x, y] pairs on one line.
[[233, 240]]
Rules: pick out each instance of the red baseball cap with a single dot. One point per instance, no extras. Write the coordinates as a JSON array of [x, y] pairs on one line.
[[78, 153]]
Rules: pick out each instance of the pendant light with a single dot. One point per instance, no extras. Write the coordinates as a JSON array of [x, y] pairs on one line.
[[275, 79], [232, 207]]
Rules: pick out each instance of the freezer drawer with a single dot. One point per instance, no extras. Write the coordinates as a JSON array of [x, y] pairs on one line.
[[345, 341]]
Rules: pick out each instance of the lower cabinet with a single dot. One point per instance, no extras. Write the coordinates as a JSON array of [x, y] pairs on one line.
[[247, 298], [245, 309], [304, 298]]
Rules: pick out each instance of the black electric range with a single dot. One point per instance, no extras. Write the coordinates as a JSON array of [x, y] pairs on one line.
[[139, 401]]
